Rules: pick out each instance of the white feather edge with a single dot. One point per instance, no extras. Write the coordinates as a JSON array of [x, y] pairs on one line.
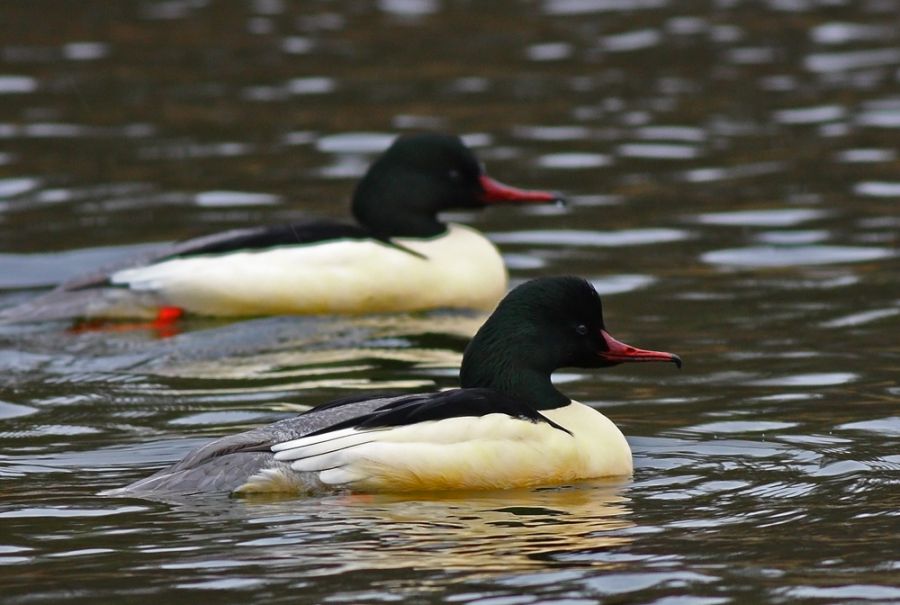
[[317, 446], [301, 443]]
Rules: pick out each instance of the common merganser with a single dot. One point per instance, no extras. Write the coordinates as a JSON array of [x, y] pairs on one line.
[[399, 257], [508, 426]]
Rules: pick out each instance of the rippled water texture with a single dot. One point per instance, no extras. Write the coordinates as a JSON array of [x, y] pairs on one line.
[[734, 174]]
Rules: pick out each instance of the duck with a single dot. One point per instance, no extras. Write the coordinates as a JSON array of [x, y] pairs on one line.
[[506, 426], [398, 256]]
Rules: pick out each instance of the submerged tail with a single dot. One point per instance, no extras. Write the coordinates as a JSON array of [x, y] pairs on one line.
[[63, 304], [225, 474]]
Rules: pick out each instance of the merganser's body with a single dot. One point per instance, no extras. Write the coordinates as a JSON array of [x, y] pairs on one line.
[[399, 257], [507, 427], [459, 268]]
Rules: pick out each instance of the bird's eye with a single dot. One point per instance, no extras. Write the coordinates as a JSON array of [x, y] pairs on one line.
[[581, 329], [454, 175]]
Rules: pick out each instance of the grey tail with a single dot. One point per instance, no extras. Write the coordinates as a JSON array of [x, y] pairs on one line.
[[73, 304], [222, 474]]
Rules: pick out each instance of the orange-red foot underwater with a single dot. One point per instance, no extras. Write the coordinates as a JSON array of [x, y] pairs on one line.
[[165, 324]]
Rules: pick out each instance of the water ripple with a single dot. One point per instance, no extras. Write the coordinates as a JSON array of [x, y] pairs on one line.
[[711, 174], [297, 45], [219, 419], [573, 161], [878, 189], [356, 142], [631, 41], [17, 84], [688, 134], [549, 51], [885, 426], [69, 512], [13, 187], [739, 426], [860, 156], [880, 118], [14, 410], [617, 284], [85, 51], [627, 237], [843, 467], [552, 133], [810, 115], [857, 59], [227, 199], [837, 32], [793, 237], [409, 8], [581, 7], [776, 256], [768, 217], [780, 489], [624, 583], [822, 379], [844, 593], [652, 151], [310, 85], [858, 319]]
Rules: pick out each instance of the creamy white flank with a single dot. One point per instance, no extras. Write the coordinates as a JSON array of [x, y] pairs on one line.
[[487, 452], [461, 269]]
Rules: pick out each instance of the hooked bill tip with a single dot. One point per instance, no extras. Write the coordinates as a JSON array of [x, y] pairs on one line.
[[677, 361]]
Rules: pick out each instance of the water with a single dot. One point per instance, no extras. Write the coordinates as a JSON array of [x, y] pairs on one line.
[[733, 173]]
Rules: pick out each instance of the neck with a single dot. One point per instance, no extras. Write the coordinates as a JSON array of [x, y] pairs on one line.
[[482, 369], [387, 223], [388, 209]]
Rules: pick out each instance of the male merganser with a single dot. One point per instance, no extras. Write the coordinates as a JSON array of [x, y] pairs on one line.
[[400, 257], [508, 426]]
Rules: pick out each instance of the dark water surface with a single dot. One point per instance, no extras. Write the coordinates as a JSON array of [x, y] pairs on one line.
[[734, 171]]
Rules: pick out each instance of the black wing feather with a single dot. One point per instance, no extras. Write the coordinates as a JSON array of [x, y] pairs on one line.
[[272, 236], [456, 403]]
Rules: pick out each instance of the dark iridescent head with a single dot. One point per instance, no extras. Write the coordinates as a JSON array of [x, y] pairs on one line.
[[421, 175], [541, 326]]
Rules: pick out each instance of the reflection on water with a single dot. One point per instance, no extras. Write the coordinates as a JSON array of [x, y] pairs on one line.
[[732, 172], [504, 532]]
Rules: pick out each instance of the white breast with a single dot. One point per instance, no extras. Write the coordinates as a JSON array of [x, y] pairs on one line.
[[486, 452], [461, 269], [603, 450]]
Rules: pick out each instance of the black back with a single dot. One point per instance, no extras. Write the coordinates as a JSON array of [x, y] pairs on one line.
[[271, 236], [426, 407]]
